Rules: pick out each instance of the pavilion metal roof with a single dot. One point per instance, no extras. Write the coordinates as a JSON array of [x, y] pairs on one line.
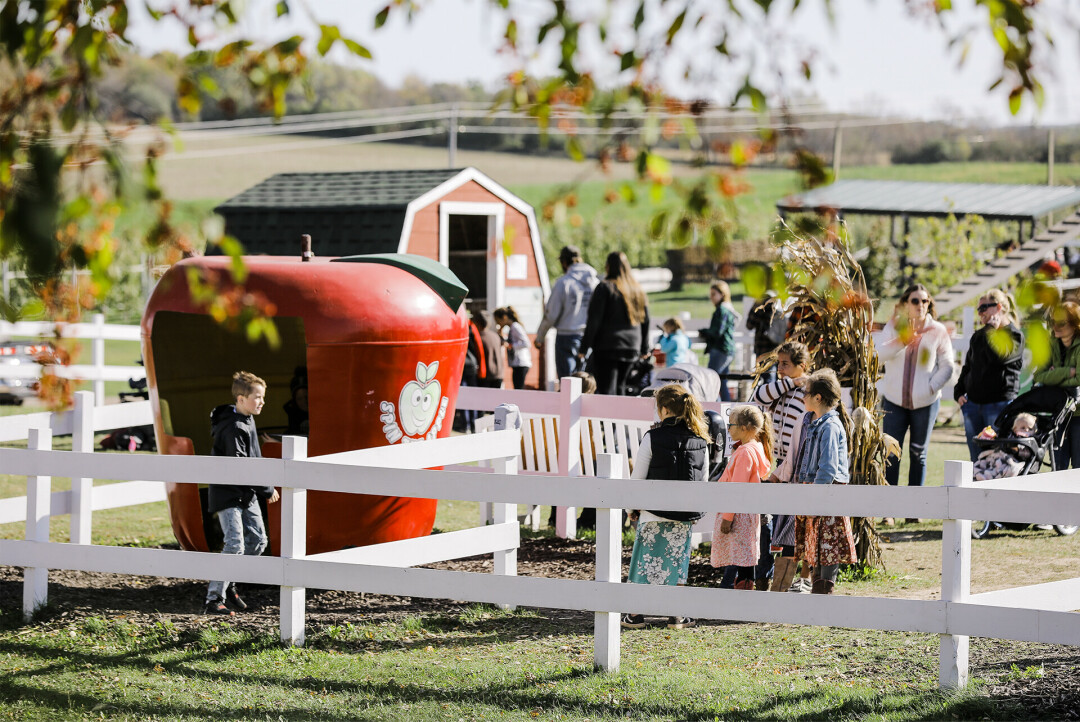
[[993, 201]]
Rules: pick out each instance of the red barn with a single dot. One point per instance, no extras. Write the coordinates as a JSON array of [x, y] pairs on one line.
[[459, 217]]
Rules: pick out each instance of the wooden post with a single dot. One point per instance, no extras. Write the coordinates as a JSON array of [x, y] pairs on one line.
[[82, 490], [1050, 157], [838, 142], [451, 141], [505, 561], [608, 568], [38, 513], [98, 356], [569, 449], [293, 545], [955, 581]]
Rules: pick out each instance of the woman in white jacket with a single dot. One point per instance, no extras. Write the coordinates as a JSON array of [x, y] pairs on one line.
[[919, 361]]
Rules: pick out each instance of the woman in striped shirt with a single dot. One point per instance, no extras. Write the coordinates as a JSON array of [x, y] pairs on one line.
[[784, 399]]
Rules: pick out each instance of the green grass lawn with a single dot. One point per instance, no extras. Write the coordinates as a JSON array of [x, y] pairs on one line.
[[475, 663]]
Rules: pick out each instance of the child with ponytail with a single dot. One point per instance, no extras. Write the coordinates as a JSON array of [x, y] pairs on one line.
[[674, 449], [823, 542], [736, 536]]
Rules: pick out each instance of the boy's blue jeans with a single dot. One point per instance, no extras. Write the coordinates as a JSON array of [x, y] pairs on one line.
[[244, 534]]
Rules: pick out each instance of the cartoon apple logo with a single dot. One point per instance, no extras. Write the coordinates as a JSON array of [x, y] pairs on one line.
[[419, 400]]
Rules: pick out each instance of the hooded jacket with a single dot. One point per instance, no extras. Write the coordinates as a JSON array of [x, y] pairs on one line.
[[567, 309], [234, 435], [748, 463]]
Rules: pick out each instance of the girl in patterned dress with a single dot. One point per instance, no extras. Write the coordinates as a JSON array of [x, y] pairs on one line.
[[674, 449], [736, 536], [824, 542]]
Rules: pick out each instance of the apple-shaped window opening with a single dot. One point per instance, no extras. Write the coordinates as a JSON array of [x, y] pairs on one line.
[[194, 360]]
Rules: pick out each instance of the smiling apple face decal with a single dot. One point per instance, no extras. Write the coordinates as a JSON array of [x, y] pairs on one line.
[[421, 408]]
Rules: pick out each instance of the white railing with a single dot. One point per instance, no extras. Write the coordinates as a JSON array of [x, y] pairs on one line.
[[81, 422], [96, 371], [1031, 614], [1035, 613]]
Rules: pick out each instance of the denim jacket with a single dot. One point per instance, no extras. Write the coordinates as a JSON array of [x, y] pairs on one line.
[[823, 453]]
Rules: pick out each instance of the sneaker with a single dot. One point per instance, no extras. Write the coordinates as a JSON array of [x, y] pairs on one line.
[[216, 606], [633, 621], [233, 600], [801, 586], [679, 622]]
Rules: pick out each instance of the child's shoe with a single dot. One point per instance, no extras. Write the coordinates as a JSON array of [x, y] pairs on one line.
[[633, 621], [801, 586], [216, 606], [233, 600], [679, 622]]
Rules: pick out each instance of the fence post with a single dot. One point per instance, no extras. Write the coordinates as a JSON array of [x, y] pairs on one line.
[[507, 417], [98, 356], [608, 568], [569, 446], [293, 545], [955, 581], [506, 560], [38, 513], [82, 490]]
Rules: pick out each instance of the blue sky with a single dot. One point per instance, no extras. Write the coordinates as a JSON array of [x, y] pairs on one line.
[[876, 58]]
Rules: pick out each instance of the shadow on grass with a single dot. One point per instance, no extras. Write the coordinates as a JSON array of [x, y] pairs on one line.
[[543, 693]]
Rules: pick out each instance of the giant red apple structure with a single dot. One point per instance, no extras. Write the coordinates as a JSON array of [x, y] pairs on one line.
[[383, 338]]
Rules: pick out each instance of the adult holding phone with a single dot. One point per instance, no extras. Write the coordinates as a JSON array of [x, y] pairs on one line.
[[990, 376], [919, 361]]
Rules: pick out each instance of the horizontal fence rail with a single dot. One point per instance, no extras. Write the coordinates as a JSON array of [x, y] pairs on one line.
[[1039, 613]]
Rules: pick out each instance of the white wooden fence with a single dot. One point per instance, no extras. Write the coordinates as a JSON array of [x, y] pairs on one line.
[[96, 371], [1034, 613]]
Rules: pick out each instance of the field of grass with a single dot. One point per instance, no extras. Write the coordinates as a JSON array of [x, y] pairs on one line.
[[474, 663]]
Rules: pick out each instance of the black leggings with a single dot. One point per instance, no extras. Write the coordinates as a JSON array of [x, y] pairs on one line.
[[610, 374], [519, 374]]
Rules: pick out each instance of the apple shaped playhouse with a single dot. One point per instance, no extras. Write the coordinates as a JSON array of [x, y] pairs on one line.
[[383, 338]]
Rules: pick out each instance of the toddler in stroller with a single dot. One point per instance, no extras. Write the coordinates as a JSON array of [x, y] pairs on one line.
[[1017, 454], [1006, 460]]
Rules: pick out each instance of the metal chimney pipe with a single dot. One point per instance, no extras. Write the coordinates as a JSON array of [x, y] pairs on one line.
[[305, 248]]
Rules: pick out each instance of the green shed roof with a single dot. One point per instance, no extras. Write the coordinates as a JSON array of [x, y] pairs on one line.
[[994, 201], [438, 277]]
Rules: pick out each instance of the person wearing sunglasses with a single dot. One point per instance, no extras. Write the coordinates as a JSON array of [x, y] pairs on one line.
[[990, 376], [919, 361], [1064, 370]]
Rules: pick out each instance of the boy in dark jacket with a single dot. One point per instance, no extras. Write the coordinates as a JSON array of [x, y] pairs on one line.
[[237, 507]]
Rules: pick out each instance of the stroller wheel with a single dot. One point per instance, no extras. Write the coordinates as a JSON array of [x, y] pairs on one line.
[[1066, 529], [979, 529]]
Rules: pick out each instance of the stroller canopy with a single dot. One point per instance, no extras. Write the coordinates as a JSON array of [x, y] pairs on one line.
[[701, 381]]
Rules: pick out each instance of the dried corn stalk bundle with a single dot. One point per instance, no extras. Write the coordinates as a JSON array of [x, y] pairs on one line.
[[833, 316]]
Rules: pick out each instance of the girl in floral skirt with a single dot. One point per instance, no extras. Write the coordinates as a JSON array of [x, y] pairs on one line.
[[674, 449], [736, 536], [824, 542]]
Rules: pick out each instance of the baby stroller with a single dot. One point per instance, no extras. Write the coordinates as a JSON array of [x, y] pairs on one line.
[[639, 376], [1052, 407]]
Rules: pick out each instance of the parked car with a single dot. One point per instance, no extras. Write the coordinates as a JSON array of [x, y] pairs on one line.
[[16, 389]]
